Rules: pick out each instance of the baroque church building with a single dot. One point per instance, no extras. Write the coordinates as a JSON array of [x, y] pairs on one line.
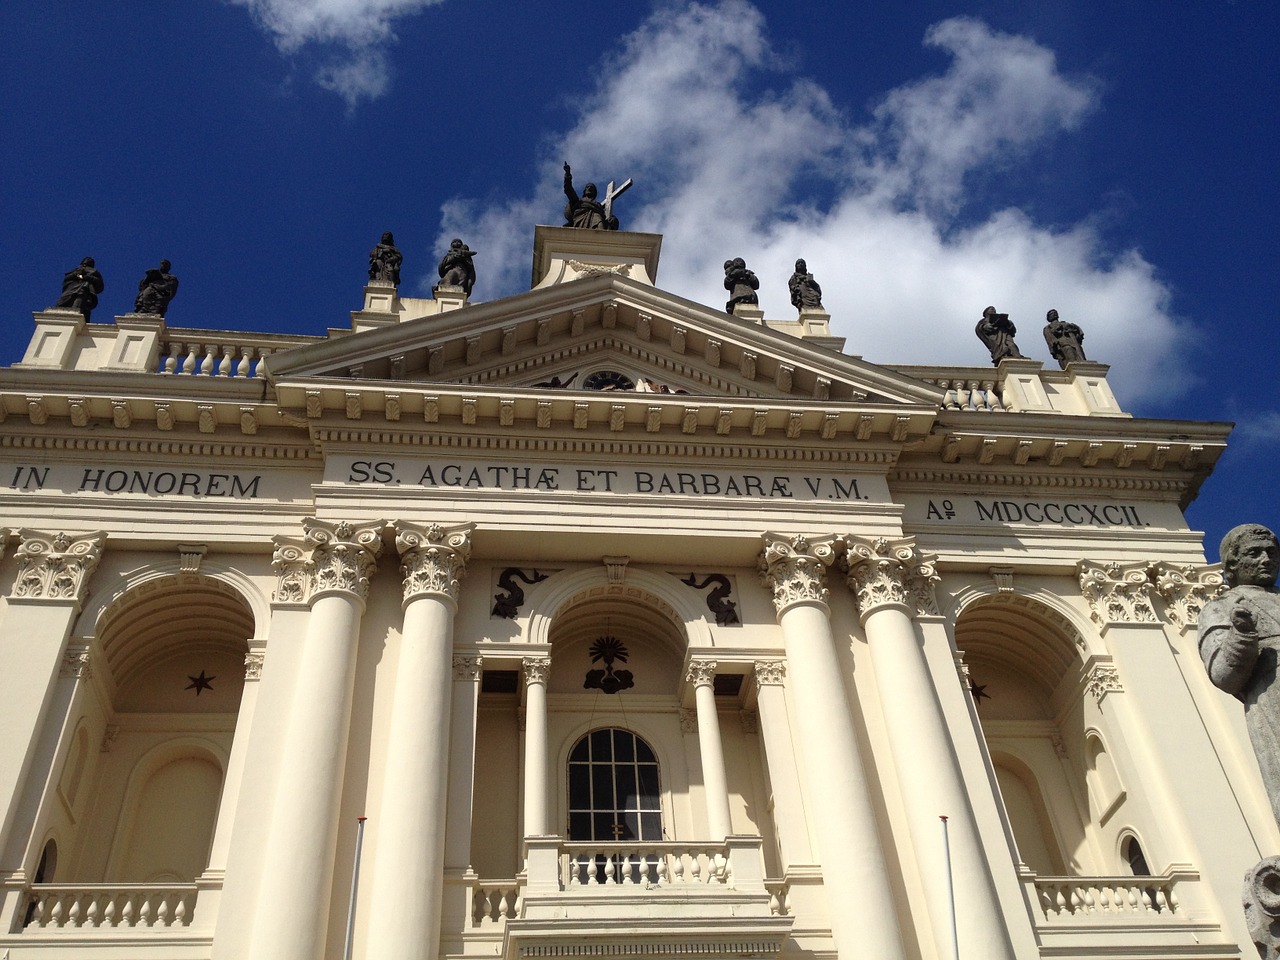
[[633, 627]]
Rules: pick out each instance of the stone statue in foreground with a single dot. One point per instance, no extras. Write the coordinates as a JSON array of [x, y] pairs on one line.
[[456, 268], [1239, 640], [741, 283], [80, 288], [805, 292], [586, 211], [155, 290], [1065, 339], [997, 331], [385, 260]]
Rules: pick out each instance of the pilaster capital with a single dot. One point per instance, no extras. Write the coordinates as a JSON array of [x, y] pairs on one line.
[[795, 568], [888, 572], [77, 663], [701, 672], [770, 673], [536, 670], [1118, 592], [56, 566], [1187, 588], [468, 668], [1100, 678], [433, 559]]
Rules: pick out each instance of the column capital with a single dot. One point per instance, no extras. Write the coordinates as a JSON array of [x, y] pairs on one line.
[[1186, 589], [701, 672], [795, 568], [56, 566], [890, 572], [536, 670], [1118, 593], [468, 668], [770, 673], [433, 559]]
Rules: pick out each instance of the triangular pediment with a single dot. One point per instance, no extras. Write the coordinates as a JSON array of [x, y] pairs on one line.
[[600, 332]]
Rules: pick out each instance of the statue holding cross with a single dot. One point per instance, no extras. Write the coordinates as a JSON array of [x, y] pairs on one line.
[[586, 211]]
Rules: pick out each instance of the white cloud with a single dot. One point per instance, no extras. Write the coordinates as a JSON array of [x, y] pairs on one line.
[[357, 70], [725, 166]]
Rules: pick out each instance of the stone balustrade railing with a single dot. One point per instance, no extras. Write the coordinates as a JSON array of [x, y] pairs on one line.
[[644, 864], [1092, 899], [493, 902], [102, 905], [210, 353]]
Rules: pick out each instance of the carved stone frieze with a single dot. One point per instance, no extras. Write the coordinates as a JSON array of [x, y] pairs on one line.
[[56, 566], [536, 670], [770, 673], [1187, 588], [468, 668], [794, 568], [701, 673], [1102, 678], [433, 559], [890, 572], [1118, 592]]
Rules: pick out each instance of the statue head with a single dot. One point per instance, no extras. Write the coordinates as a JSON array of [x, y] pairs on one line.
[[388, 239], [1051, 316], [589, 191], [1250, 555]]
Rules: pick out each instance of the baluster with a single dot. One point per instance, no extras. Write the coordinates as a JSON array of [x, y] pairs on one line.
[[189, 361], [246, 358]]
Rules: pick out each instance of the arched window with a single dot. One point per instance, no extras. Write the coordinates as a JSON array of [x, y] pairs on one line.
[[614, 788]]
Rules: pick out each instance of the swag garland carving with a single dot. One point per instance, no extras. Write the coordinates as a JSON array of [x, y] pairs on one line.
[[795, 568], [56, 566], [890, 572], [433, 559]]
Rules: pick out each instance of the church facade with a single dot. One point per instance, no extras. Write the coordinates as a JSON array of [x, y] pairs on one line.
[[595, 622]]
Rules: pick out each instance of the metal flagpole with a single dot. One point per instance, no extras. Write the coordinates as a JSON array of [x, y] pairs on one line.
[[951, 893], [355, 885]]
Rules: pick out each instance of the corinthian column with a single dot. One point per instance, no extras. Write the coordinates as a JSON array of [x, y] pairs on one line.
[[714, 782], [53, 571], [408, 876], [893, 582], [537, 821], [854, 871], [329, 570]]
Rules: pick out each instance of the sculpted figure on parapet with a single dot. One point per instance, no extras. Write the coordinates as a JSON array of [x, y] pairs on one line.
[[997, 331], [456, 268], [741, 283], [805, 292], [1240, 638], [1065, 339], [80, 288], [155, 290], [385, 260]]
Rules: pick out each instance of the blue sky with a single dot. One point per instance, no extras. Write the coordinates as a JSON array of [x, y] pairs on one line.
[[1116, 162]]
